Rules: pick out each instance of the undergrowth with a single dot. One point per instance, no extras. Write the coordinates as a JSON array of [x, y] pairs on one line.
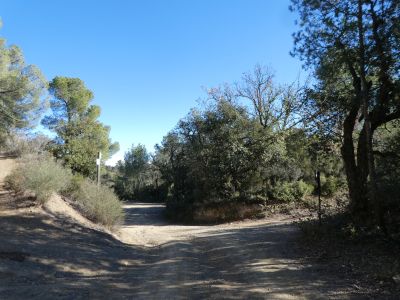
[[98, 203], [42, 176], [39, 175]]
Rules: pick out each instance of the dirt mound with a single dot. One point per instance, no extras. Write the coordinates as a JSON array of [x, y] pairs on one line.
[[59, 208], [55, 207]]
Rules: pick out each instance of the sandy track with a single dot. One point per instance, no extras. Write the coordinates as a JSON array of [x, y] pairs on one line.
[[146, 225], [59, 259]]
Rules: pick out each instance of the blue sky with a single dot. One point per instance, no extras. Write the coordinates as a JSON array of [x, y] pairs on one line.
[[147, 61]]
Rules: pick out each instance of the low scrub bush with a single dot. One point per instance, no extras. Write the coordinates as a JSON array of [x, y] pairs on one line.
[[330, 186], [302, 189], [40, 175], [291, 191], [98, 203], [15, 181], [74, 185], [19, 144]]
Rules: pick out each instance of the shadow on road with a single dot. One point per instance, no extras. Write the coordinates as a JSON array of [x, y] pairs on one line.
[[145, 214], [67, 261]]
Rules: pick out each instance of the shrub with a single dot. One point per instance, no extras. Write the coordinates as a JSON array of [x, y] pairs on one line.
[[20, 144], [98, 203], [291, 191], [330, 186], [74, 185], [15, 180], [40, 175], [283, 192], [302, 189]]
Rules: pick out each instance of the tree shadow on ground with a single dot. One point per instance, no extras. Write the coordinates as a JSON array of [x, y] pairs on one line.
[[67, 261], [145, 214], [367, 252], [9, 200]]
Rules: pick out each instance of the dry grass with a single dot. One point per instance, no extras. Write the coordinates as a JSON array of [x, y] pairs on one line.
[[39, 175], [99, 203]]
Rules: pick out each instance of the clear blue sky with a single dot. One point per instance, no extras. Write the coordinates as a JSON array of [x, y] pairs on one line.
[[147, 61]]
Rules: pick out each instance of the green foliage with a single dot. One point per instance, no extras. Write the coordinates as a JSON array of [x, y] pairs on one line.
[[353, 49], [330, 186], [74, 185], [42, 176], [387, 149], [216, 159], [138, 178], [291, 191], [21, 89], [98, 203], [135, 161], [39, 175], [303, 189], [283, 192], [224, 155], [80, 136], [243, 146], [229, 152]]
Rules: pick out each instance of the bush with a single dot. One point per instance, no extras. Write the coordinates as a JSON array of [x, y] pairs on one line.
[[283, 192], [330, 186], [20, 144], [291, 191], [302, 189], [74, 185], [98, 203], [15, 180], [40, 175]]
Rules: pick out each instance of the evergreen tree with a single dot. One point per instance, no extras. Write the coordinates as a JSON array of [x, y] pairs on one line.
[[80, 135]]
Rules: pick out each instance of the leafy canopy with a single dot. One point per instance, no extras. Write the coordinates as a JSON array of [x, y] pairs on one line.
[[80, 135], [21, 89]]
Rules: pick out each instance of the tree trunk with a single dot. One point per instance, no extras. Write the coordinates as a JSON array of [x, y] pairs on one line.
[[365, 156], [362, 158], [357, 193], [358, 201]]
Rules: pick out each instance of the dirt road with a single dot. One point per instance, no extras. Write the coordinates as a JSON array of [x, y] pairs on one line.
[[43, 257]]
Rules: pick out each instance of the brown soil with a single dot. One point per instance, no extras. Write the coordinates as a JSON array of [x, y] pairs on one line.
[[53, 256]]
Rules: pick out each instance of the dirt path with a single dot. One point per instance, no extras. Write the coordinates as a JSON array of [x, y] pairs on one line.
[[50, 256], [43, 257]]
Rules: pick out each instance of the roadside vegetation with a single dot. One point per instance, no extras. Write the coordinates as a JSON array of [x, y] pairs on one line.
[[41, 176], [98, 203], [249, 147], [249, 144]]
